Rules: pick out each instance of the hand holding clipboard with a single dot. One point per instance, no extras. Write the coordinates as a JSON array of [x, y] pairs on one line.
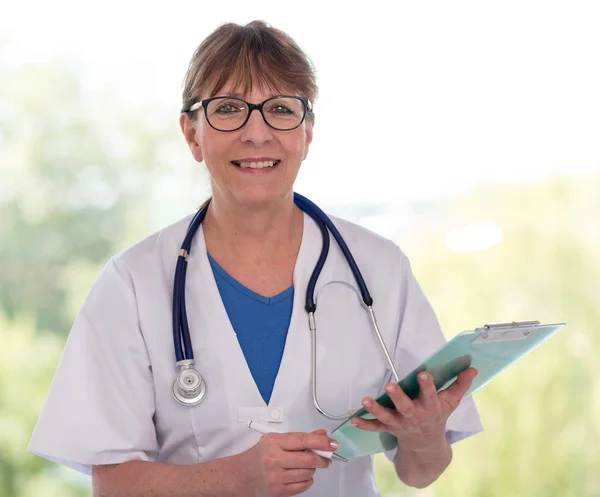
[[490, 349]]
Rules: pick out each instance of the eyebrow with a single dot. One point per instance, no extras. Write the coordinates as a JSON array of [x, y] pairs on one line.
[[241, 96]]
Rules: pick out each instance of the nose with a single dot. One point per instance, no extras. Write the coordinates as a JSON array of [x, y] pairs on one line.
[[256, 130]]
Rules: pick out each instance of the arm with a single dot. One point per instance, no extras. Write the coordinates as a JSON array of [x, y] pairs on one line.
[[216, 478], [419, 336], [419, 425], [277, 465], [421, 468]]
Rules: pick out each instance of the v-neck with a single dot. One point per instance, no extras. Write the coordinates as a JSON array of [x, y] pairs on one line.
[[225, 276], [237, 372]]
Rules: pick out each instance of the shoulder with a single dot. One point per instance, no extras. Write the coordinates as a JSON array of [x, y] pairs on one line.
[[154, 253], [154, 243], [381, 261], [138, 268], [365, 243]]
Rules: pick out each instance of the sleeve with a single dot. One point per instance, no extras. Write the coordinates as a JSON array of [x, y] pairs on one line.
[[419, 336], [100, 406]]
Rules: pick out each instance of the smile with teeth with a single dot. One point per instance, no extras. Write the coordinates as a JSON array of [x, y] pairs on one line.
[[255, 165]]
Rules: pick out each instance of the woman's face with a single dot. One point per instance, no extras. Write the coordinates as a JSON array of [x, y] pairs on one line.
[[223, 153]]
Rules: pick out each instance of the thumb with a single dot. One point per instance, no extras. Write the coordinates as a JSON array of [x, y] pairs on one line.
[[320, 431]]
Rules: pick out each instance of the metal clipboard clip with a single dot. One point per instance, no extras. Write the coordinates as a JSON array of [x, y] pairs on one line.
[[506, 332]]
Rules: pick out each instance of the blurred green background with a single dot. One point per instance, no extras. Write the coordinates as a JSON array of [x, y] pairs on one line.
[[77, 186]]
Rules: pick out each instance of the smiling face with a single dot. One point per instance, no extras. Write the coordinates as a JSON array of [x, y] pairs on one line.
[[254, 165]]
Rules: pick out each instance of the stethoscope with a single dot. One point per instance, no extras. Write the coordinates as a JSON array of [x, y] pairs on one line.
[[189, 388]]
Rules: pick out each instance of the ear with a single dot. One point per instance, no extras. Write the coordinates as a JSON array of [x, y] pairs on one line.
[[308, 130], [188, 128]]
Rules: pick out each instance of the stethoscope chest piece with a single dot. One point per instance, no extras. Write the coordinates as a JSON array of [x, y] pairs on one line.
[[189, 388]]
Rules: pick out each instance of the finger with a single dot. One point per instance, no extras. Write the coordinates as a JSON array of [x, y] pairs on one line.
[[402, 402], [303, 441], [320, 431], [428, 395], [297, 475], [302, 460], [383, 414], [298, 488], [369, 424], [455, 392]]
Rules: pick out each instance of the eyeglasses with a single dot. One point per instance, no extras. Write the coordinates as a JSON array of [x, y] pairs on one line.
[[283, 113]]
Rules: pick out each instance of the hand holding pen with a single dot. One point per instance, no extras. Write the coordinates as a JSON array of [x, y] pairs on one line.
[[328, 454], [282, 464]]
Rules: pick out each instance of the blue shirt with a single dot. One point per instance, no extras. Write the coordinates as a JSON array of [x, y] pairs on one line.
[[260, 323]]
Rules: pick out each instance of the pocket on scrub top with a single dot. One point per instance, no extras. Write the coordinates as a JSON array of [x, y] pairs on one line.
[[353, 365]]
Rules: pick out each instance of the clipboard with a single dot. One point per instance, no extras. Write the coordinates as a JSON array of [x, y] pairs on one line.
[[491, 349]]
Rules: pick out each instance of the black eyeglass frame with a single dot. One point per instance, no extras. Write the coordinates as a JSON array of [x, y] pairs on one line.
[[306, 104]]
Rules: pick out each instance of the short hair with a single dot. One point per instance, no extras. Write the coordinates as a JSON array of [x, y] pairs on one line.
[[254, 54]]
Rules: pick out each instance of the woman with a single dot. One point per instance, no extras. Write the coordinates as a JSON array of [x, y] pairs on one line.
[[111, 410]]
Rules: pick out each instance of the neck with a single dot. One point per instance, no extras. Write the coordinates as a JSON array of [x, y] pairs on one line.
[[250, 233]]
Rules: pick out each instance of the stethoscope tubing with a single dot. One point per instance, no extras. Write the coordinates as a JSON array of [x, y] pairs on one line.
[[309, 207], [181, 333]]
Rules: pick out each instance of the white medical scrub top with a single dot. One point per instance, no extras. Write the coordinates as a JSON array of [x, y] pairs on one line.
[[110, 400]]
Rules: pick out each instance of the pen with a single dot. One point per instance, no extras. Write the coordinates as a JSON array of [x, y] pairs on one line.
[[264, 429]]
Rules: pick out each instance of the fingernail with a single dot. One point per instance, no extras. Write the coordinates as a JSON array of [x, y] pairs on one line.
[[366, 403], [390, 388], [354, 422], [334, 444], [423, 376]]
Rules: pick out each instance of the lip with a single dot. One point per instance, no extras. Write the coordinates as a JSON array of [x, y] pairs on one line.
[[255, 159]]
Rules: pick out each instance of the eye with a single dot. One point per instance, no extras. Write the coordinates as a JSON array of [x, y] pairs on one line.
[[229, 107], [280, 107]]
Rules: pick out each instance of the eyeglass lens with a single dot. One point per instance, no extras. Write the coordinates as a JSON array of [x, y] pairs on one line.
[[228, 113]]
